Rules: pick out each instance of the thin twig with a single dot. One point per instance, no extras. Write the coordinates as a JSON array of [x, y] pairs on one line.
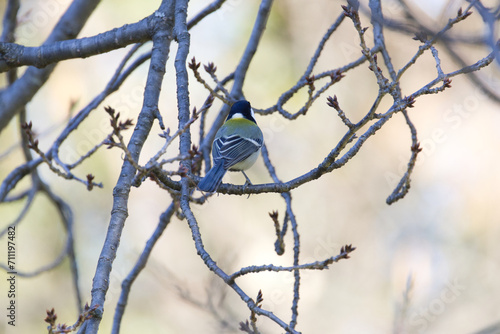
[[404, 184], [317, 265], [428, 43]]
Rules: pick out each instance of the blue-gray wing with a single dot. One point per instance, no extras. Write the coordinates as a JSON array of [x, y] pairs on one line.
[[233, 149]]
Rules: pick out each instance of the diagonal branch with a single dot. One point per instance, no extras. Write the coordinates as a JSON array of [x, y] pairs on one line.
[[205, 12], [404, 184], [212, 265]]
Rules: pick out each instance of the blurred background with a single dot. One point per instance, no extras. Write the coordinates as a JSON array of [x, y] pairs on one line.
[[439, 243]]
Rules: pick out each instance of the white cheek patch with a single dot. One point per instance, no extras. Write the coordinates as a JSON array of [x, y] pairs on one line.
[[237, 115], [252, 113]]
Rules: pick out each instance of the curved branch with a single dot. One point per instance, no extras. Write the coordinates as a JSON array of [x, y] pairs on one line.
[[403, 186], [17, 175], [31, 196], [251, 48], [286, 96], [66, 215]]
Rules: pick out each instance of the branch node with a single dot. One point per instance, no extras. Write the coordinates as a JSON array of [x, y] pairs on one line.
[[210, 69], [333, 102]]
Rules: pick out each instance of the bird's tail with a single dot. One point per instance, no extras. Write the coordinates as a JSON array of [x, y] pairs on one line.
[[213, 178]]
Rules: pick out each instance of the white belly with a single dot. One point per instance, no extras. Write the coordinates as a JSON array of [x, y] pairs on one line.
[[247, 163]]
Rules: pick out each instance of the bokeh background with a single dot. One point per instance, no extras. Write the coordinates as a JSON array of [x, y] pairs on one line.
[[443, 236]]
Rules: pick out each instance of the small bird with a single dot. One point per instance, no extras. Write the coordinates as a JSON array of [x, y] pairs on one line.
[[236, 146]]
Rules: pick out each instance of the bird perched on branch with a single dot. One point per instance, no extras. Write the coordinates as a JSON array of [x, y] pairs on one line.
[[236, 146]]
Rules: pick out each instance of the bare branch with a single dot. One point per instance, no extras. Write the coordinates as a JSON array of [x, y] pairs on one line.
[[161, 47], [10, 21], [317, 265], [404, 185], [428, 43], [178, 173], [14, 55]]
